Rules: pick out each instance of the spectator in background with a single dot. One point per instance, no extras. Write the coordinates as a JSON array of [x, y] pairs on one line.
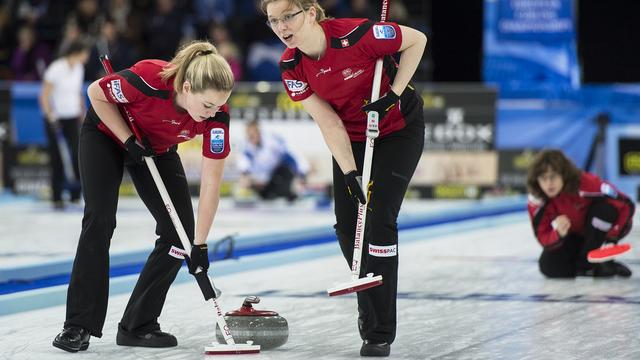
[[87, 17], [362, 9], [110, 42], [163, 30], [572, 213], [7, 41], [268, 166], [70, 35], [31, 57], [119, 11], [219, 35], [31, 11], [211, 11], [62, 102]]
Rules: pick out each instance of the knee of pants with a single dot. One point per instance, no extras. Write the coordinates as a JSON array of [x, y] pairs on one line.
[[102, 222], [383, 230], [601, 216], [172, 255], [552, 268], [345, 239]]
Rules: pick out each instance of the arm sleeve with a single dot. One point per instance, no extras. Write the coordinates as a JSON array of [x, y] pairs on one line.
[[215, 139], [118, 90], [384, 38], [541, 220], [593, 186]]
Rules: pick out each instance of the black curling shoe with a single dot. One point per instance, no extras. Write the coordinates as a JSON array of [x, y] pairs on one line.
[[72, 339], [154, 339], [373, 348]]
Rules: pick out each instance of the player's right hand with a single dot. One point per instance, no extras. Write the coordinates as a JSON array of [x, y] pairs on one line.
[[354, 186], [562, 224], [137, 152]]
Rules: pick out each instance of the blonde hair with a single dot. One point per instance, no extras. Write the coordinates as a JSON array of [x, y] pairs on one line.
[[302, 4], [199, 63]]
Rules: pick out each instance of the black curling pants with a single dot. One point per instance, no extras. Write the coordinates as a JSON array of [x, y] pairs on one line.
[[69, 130], [570, 257], [395, 158], [101, 168]]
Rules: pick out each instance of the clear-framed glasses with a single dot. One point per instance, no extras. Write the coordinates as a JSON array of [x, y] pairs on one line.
[[285, 19]]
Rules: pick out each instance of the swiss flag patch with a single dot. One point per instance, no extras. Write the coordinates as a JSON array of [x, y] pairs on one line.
[[344, 42]]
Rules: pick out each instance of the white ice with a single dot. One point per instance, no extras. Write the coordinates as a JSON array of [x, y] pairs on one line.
[[466, 291]]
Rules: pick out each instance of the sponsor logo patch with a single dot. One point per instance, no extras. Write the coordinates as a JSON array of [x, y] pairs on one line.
[[383, 251], [217, 140], [116, 91], [295, 85], [177, 252], [386, 32]]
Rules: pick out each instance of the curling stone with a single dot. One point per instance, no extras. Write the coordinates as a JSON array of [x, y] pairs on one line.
[[263, 327]]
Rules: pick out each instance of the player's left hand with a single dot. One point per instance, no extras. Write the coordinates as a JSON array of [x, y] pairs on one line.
[[383, 105], [199, 257]]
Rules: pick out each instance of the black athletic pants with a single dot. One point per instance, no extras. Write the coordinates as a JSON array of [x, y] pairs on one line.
[[101, 169], [395, 158], [70, 129], [279, 184], [570, 257]]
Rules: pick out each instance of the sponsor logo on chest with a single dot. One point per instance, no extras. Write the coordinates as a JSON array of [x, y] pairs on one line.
[[323, 71], [348, 74], [171, 122], [185, 134]]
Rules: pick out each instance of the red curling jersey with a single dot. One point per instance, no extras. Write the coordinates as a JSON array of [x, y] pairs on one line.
[[150, 101], [343, 76], [575, 206]]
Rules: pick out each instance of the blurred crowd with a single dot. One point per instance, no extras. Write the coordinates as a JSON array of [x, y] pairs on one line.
[[34, 32]]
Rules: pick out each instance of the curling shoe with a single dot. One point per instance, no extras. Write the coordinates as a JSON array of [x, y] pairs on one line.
[[375, 348], [153, 339], [72, 339]]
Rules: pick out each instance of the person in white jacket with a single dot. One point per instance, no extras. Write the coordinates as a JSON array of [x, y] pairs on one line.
[[268, 166]]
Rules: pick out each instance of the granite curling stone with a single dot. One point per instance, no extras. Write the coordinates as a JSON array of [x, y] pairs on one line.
[[262, 327]]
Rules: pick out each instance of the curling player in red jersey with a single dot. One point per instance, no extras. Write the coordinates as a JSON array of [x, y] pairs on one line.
[[170, 102], [572, 213], [328, 66]]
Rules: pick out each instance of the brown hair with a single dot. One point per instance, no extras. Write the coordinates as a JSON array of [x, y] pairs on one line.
[[556, 161], [302, 4], [199, 63]]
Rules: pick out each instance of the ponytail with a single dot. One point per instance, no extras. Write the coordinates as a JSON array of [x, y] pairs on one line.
[[202, 66]]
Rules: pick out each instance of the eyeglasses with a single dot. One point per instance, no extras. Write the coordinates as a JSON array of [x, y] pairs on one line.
[[286, 19]]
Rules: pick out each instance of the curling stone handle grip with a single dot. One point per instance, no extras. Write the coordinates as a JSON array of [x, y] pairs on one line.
[[250, 300]]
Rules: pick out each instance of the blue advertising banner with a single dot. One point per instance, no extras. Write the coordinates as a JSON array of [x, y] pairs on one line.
[[530, 44]]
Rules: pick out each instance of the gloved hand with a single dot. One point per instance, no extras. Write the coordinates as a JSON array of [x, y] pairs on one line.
[[383, 105], [199, 257], [137, 152], [354, 185]]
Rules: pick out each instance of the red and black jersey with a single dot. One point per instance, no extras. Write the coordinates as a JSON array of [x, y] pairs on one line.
[[575, 206], [150, 101], [343, 76]]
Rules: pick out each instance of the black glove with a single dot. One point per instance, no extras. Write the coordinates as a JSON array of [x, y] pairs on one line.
[[136, 151], [354, 186], [199, 258], [383, 105]]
